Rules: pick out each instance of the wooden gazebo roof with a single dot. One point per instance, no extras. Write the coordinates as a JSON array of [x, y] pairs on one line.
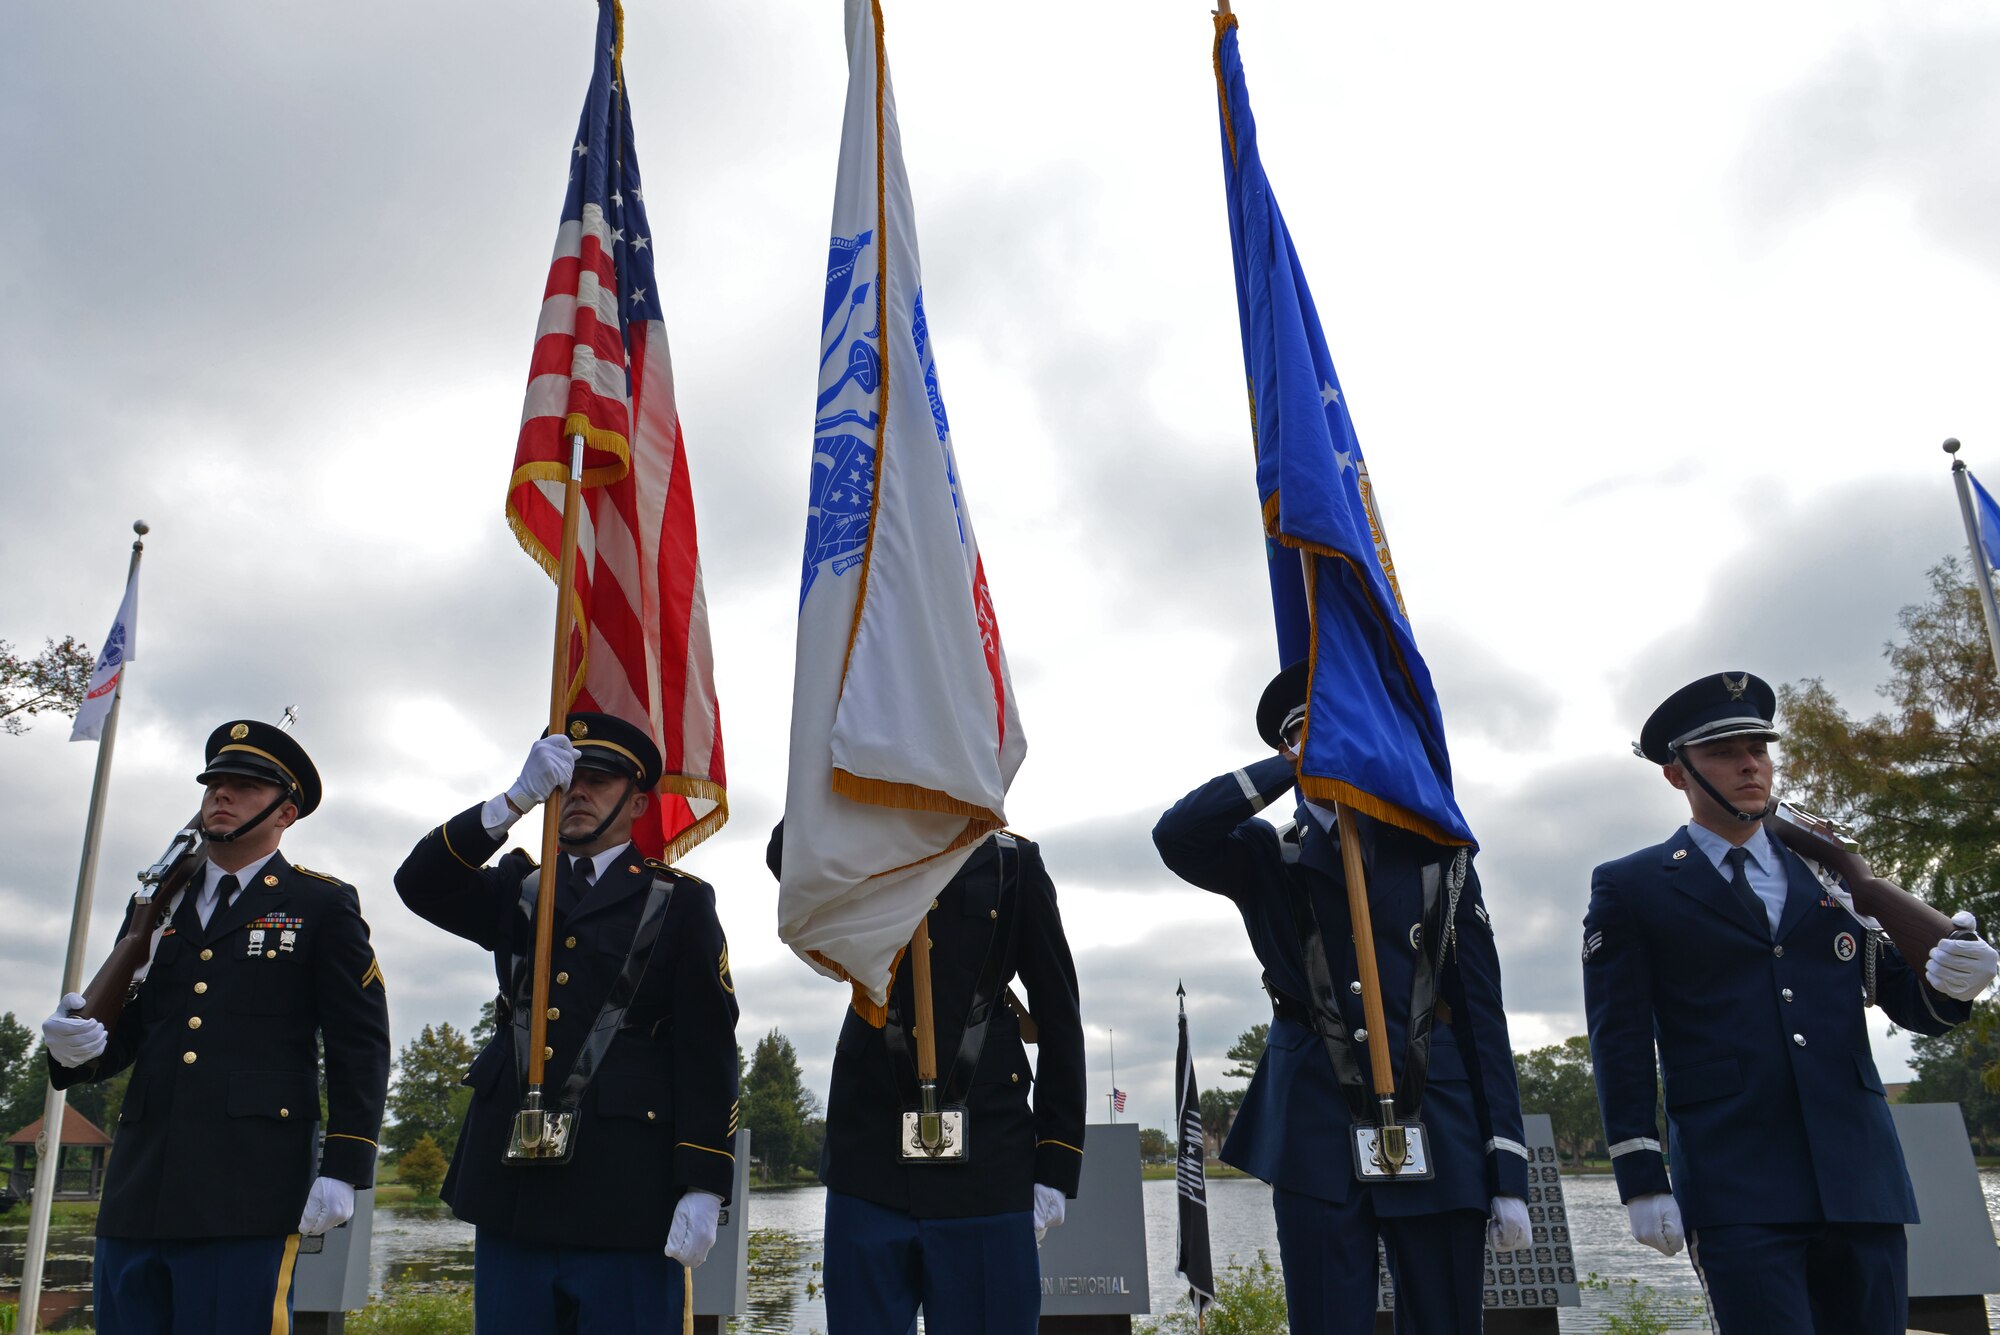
[[76, 1130]]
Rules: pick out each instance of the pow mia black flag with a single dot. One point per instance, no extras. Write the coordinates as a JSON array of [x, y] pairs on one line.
[[1192, 1261]]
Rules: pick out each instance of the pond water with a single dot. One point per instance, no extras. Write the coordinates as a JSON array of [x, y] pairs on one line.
[[430, 1245]]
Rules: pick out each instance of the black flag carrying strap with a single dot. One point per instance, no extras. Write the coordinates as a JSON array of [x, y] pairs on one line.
[[1322, 1014], [986, 995], [611, 1016]]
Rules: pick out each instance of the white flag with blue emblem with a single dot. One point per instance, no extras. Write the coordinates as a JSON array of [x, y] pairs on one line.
[[120, 647], [904, 731]]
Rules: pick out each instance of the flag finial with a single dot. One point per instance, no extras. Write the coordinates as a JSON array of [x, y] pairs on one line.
[[1951, 444]]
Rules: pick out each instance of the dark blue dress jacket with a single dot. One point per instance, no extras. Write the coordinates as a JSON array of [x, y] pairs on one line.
[[1775, 1112], [1292, 1130]]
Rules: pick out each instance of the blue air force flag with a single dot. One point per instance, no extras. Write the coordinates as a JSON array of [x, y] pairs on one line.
[[1989, 522], [904, 731], [121, 646], [1374, 738]]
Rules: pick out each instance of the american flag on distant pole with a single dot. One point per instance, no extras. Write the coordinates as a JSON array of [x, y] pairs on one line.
[[1117, 1100], [640, 649], [1192, 1261]]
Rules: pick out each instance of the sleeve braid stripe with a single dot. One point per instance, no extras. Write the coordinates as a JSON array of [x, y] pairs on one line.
[[688, 1144], [1060, 1144], [454, 852], [342, 1135], [1634, 1145]]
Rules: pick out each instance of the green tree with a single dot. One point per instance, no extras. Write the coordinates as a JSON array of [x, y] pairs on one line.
[[776, 1106], [1155, 1146], [1556, 1080], [23, 1077], [1920, 782], [1962, 1067], [426, 1098], [423, 1166], [485, 1026], [52, 682], [1247, 1051], [1218, 1110]]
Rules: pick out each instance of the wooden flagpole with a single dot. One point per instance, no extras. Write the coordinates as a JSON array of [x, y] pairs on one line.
[[529, 1126], [930, 1128], [1394, 1145]]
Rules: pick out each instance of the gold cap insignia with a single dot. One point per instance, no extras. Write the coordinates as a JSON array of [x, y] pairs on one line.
[[270, 879], [239, 732], [579, 730], [1736, 687]]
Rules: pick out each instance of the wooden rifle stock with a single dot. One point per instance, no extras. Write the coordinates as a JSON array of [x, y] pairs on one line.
[[1912, 924], [111, 987]]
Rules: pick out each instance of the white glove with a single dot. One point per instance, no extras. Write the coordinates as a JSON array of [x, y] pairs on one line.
[[1049, 1211], [1507, 1229], [551, 761], [1656, 1221], [330, 1205], [1959, 969], [693, 1231], [71, 1039]]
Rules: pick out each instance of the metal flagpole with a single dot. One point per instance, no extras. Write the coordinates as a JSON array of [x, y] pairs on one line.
[[48, 1147], [1982, 569]]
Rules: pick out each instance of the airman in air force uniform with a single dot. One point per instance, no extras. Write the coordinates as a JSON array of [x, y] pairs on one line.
[[958, 1238], [598, 1240], [215, 1172], [1725, 952], [1293, 1129]]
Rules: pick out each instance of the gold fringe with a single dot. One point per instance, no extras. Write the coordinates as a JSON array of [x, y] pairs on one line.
[[908, 797], [682, 785], [608, 442], [1223, 23], [551, 565], [1324, 790]]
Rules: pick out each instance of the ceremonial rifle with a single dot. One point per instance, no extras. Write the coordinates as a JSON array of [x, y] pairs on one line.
[[1915, 926], [112, 986]]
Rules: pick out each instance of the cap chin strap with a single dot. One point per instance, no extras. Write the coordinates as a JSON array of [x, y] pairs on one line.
[[1746, 817], [631, 786], [284, 796]]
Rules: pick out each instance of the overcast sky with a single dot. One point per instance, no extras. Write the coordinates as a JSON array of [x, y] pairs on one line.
[[1650, 329]]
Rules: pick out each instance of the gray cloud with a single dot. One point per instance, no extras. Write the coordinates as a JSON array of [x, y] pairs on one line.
[[1909, 110]]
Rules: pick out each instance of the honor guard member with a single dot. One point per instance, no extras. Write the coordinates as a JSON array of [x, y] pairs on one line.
[[1447, 1031], [595, 1242], [215, 1172], [956, 1234], [1723, 951]]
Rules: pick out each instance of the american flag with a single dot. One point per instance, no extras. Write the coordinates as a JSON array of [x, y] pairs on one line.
[[1117, 1099], [601, 370]]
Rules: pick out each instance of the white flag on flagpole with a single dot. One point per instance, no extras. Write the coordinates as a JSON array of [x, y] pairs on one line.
[[904, 730], [120, 647]]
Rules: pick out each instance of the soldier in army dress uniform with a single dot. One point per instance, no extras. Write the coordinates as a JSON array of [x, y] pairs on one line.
[[1723, 951], [598, 1241], [215, 1173], [957, 1238], [1292, 1130]]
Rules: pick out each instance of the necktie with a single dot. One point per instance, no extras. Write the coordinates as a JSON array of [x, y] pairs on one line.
[[1739, 880], [226, 891], [585, 870]]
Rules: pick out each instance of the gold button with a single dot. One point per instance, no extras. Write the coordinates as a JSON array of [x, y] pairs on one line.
[[208, 954], [284, 1112], [555, 1013], [570, 941], [933, 903], [1014, 1078], [548, 1053], [200, 988], [652, 1116], [194, 1022], [270, 954], [562, 978], [993, 913], [187, 1058]]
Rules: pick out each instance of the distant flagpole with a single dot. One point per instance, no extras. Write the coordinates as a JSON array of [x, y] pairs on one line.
[[48, 1147], [1111, 1099], [1982, 561], [1193, 1262]]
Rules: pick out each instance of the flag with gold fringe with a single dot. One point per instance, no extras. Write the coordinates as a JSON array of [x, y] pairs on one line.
[[1374, 737], [905, 735], [600, 370]]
